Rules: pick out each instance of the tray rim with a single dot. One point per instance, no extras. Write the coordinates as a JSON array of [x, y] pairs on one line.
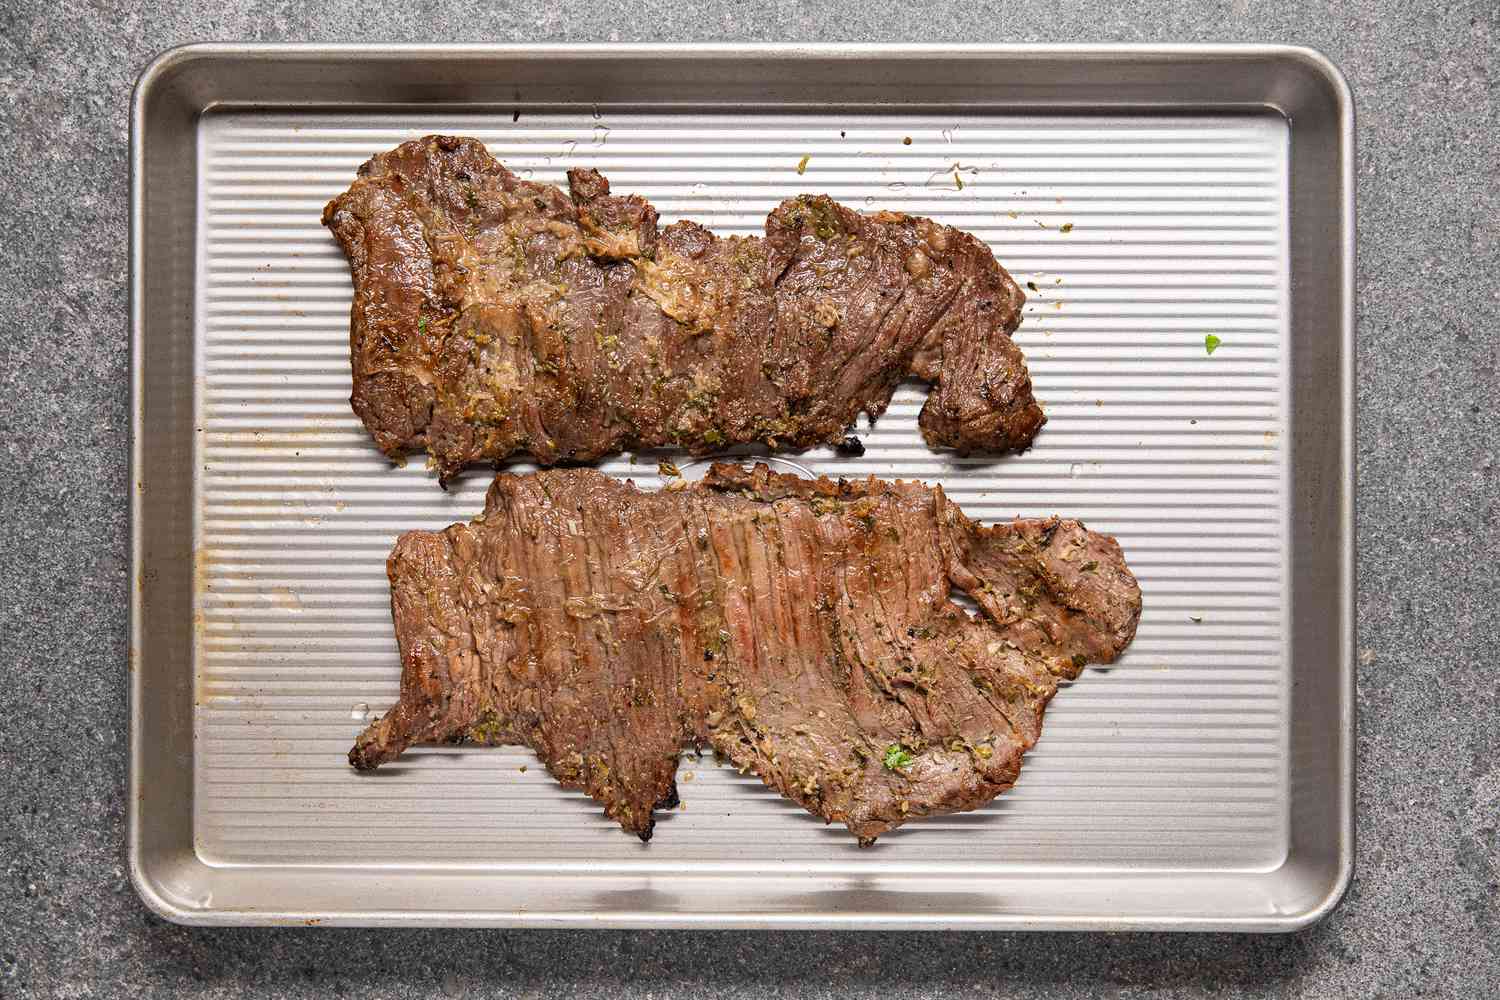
[[149, 881]]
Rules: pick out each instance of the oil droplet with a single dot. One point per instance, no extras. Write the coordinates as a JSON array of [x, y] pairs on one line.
[[870, 199], [948, 135], [546, 160], [601, 134], [360, 712], [1075, 470], [700, 186], [597, 115], [526, 173], [569, 146], [946, 179], [896, 186]]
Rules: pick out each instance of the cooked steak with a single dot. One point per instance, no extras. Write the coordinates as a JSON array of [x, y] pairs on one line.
[[803, 629], [496, 317]]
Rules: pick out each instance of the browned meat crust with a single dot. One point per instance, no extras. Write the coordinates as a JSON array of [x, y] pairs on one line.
[[496, 317], [801, 628]]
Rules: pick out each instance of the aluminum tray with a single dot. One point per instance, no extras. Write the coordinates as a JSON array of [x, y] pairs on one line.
[[1204, 782]]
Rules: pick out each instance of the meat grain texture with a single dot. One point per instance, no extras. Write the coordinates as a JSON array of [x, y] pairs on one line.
[[803, 629], [497, 317]]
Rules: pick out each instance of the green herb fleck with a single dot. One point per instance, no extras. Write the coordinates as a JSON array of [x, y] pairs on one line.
[[1211, 343], [713, 436], [667, 469], [1090, 566], [421, 324], [1079, 660], [802, 164], [896, 757]]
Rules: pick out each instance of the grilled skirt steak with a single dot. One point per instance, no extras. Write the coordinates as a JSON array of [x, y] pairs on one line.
[[802, 628], [496, 317]]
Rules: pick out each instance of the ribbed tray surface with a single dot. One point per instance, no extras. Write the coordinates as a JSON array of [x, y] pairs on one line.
[[1175, 758]]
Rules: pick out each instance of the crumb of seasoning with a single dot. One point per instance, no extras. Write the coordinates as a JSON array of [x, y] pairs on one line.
[[1193, 420], [802, 164], [906, 140], [523, 768], [687, 775], [668, 469], [896, 757], [515, 115], [1041, 223], [842, 133], [1058, 281], [1211, 343], [1013, 215], [1098, 402], [851, 446], [957, 180], [1066, 227], [1196, 618], [1032, 285]]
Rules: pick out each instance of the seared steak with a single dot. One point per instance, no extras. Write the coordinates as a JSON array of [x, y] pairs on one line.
[[495, 317], [802, 628]]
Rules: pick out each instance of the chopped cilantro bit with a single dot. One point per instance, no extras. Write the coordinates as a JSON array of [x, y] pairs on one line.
[[421, 324], [712, 436], [896, 757], [1211, 343], [802, 164]]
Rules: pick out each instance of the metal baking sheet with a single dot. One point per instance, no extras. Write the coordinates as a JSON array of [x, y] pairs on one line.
[[1146, 197]]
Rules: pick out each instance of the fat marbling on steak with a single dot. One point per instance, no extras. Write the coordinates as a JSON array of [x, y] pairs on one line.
[[498, 317], [802, 628]]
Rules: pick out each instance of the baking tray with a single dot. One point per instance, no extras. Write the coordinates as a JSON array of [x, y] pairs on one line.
[[1204, 782]]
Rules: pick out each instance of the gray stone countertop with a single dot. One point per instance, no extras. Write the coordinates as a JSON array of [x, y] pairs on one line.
[[1423, 916]]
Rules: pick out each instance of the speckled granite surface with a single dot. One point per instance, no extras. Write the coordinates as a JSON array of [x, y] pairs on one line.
[[1423, 917]]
